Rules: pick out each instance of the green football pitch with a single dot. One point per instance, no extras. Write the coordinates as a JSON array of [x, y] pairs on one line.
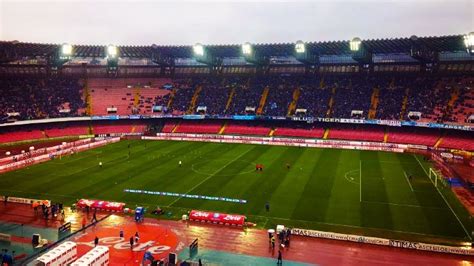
[[362, 192]]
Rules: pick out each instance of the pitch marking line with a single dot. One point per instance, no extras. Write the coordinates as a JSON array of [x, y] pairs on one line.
[[209, 177], [442, 196], [349, 178], [404, 205], [409, 183], [360, 180]]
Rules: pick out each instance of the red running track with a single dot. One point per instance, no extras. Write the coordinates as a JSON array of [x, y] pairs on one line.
[[161, 234], [254, 242]]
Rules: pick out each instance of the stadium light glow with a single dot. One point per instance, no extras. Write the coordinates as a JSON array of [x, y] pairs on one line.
[[112, 51], [198, 49], [300, 47], [66, 49], [469, 42], [247, 48], [354, 44]]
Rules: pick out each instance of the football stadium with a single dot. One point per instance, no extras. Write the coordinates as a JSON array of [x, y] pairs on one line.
[[299, 153]]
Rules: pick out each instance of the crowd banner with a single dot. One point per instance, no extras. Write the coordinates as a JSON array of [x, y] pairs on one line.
[[298, 142], [101, 205], [307, 119], [217, 218], [385, 242]]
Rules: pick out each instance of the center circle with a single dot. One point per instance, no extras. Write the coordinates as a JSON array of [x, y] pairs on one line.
[[210, 167]]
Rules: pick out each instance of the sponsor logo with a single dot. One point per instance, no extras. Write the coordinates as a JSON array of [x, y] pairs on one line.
[[119, 243]]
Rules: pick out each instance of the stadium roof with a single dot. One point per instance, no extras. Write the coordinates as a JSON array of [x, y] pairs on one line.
[[453, 43]]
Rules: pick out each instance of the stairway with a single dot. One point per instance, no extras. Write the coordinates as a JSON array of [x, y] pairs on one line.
[[294, 102], [263, 100], [374, 102], [170, 101], [193, 102], [331, 103], [438, 142], [272, 132], [175, 127], [136, 97], [229, 100], [87, 98], [454, 97], [326, 133], [221, 131], [404, 104]]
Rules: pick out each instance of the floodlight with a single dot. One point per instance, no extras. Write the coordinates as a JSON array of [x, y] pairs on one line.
[[198, 49], [300, 47], [469, 42], [247, 48], [355, 44], [112, 51], [66, 50]]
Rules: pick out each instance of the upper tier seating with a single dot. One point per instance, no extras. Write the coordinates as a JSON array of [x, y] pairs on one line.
[[129, 96], [36, 98]]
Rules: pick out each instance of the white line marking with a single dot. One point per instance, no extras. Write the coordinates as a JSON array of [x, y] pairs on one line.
[[360, 180], [351, 178], [409, 183], [207, 178], [442, 196], [405, 205]]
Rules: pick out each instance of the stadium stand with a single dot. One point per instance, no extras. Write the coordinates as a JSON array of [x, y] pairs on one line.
[[21, 135], [313, 132], [34, 98], [244, 128], [118, 128], [419, 136], [128, 96], [352, 132], [169, 127], [458, 140], [210, 127], [67, 131]]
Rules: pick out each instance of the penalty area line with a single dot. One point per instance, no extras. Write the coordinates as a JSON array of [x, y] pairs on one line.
[[409, 183], [442, 196]]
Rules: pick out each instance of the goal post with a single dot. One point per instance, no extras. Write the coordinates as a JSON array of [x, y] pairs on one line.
[[436, 177]]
